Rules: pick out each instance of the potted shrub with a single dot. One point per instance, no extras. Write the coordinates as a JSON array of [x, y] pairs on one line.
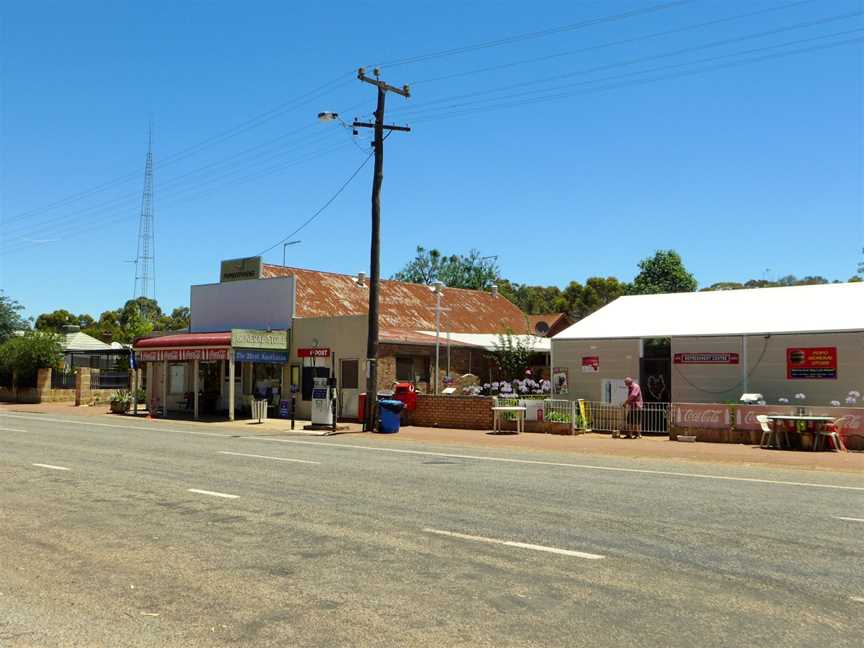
[[121, 400]]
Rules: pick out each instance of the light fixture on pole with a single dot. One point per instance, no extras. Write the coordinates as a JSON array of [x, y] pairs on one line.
[[285, 245], [438, 288]]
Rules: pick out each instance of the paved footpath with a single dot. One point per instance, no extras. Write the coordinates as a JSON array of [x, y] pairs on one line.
[[123, 532]]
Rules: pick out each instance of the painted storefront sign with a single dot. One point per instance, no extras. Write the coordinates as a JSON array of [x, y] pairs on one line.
[[261, 356], [181, 354], [696, 415], [252, 339], [590, 364], [706, 358], [811, 363]]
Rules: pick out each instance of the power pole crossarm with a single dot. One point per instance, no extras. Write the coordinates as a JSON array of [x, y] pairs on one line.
[[374, 252]]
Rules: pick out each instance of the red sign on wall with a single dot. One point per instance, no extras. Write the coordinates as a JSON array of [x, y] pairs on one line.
[[706, 358], [811, 363], [197, 353], [590, 364], [313, 352]]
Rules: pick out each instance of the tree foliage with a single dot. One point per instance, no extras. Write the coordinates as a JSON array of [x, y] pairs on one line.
[[662, 273], [512, 354], [11, 319], [21, 356], [471, 270]]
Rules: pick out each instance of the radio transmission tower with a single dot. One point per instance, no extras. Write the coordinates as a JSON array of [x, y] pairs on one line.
[[145, 267]]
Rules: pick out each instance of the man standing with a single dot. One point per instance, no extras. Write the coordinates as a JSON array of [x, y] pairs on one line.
[[633, 406]]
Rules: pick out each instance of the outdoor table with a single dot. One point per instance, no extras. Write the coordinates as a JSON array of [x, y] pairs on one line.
[[785, 418], [518, 411]]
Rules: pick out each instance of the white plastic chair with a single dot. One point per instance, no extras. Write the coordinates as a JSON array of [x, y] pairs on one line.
[[769, 436]]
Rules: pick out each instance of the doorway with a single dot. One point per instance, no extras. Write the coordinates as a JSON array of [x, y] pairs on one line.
[[349, 387], [655, 370]]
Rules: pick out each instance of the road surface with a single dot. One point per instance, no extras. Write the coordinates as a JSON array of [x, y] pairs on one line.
[[117, 532]]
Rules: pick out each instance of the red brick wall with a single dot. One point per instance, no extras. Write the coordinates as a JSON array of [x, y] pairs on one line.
[[460, 412]]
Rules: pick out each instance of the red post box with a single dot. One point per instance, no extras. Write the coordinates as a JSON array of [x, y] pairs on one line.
[[407, 393]]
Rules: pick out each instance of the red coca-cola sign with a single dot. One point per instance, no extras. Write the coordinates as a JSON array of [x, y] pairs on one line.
[[701, 415]]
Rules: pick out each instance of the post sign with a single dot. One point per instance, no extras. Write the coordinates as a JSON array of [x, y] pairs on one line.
[[590, 364], [313, 352], [241, 269], [811, 363], [706, 358], [252, 339]]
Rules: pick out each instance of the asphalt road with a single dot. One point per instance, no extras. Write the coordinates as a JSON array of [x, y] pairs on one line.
[[129, 533]]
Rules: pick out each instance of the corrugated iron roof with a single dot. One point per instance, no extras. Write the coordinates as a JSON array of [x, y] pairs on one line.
[[404, 306]]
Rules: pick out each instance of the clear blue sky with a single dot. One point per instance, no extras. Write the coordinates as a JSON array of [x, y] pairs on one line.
[[740, 168]]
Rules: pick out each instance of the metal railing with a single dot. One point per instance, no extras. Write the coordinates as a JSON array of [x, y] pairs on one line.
[[109, 380], [561, 411], [653, 418], [62, 380]]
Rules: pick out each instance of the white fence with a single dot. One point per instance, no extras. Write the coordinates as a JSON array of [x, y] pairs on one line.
[[653, 418]]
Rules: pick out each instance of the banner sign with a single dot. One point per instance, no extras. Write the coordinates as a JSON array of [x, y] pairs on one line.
[[706, 358], [560, 379], [811, 363], [695, 415], [241, 269], [590, 364], [745, 416], [313, 352], [252, 339], [265, 357], [182, 354]]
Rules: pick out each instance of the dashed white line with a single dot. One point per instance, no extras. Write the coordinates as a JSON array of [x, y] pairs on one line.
[[49, 466], [256, 456], [518, 545], [213, 493], [848, 519], [857, 599], [8, 429]]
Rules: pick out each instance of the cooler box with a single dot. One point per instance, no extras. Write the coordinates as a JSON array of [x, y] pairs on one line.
[[389, 415]]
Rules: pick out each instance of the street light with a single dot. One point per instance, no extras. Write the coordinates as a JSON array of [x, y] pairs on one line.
[[285, 245], [438, 288]]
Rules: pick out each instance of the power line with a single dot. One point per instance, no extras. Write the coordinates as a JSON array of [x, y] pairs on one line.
[[686, 50], [537, 34], [625, 41], [534, 97], [321, 209]]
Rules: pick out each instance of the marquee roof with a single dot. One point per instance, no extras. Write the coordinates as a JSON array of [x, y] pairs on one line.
[[825, 308]]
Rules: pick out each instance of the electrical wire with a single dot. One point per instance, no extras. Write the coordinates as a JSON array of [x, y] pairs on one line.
[[625, 41], [686, 50], [518, 38], [309, 220]]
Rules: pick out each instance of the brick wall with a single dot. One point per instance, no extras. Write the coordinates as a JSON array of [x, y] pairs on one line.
[[460, 412]]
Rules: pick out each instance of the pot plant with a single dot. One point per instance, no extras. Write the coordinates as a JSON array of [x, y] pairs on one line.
[[121, 401]]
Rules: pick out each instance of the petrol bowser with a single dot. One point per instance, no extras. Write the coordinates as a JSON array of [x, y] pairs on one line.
[[323, 400]]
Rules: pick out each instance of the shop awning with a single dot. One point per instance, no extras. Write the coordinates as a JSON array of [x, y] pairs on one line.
[[185, 340]]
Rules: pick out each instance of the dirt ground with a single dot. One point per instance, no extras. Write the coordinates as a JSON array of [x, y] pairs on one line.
[[581, 445]]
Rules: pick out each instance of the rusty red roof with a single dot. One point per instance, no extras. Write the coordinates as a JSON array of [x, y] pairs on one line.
[[404, 306], [185, 340]]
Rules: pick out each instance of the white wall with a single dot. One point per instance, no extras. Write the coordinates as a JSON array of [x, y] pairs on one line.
[[767, 368], [255, 304], [618, 359]]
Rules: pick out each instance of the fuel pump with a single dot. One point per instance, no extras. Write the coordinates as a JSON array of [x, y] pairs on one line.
[[323, 401]]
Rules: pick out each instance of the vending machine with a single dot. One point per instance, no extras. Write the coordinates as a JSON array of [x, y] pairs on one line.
[[323, 401]]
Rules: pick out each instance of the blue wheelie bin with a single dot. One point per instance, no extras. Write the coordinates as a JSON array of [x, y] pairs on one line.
[[389, 415]]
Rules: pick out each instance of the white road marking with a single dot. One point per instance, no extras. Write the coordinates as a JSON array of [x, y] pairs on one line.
[[848, 519], [534, 462], [213, 493], [7, 429], [142, 427], [255, 456], [857, 599], [49, 466], [519, 545]]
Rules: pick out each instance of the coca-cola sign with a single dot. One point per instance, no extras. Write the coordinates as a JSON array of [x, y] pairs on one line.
[[701, 415], [745, 416]]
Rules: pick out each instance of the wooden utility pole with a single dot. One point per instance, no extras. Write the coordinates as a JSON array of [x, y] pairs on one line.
[[375, 252]]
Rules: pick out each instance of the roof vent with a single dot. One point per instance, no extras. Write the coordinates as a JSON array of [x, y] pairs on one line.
[[494, 290], [361, 279], [541, 328]]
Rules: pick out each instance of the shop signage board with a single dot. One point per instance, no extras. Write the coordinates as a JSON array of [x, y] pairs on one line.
[[811, 363], [254, 339], [284, 409], [699, 415], [313, 352], [706, 358], [181, 354], [590, 364], [261, 356], [241, 269]]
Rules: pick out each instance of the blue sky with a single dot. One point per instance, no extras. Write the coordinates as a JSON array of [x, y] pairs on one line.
[[740, 168]]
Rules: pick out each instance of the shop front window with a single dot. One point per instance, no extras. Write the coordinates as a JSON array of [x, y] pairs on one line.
[[267, 381]]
